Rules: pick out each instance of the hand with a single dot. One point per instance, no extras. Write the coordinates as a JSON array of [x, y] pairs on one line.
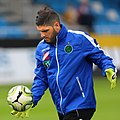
[[111, 76], [22, 114]]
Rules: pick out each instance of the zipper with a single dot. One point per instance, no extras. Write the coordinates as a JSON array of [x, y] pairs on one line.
[[81, 89], [58, 75]]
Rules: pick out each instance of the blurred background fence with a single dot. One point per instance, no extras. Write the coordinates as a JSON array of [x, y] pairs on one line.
[[19, 37]]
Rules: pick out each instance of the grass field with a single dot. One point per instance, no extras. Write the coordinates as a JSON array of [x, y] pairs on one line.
[[108, 104]]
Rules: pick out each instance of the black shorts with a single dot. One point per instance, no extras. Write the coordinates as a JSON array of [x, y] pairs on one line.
[[80, 114]]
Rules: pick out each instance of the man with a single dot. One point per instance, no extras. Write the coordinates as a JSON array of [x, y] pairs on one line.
[[64, 65]]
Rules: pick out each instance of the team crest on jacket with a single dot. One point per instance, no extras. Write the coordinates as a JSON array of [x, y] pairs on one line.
[[68, 48], [46, 59]]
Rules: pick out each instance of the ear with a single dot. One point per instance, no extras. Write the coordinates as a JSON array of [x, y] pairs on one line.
[[57, 26]]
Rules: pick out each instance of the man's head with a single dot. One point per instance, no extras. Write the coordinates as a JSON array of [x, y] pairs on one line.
[[48, 24]]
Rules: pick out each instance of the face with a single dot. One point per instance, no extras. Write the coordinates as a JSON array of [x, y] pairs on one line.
[[49, 33]]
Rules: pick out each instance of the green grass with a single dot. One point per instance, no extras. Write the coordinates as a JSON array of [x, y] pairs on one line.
[[108, 104]]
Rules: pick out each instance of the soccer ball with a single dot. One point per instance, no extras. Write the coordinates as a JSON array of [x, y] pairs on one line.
[[20, 98]]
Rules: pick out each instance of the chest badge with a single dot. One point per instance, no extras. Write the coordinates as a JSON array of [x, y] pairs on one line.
[[68, 48]]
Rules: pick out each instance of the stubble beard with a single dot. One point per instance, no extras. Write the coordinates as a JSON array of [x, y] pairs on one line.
[[53, 38]]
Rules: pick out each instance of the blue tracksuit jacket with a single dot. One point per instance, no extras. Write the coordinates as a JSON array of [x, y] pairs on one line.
[[67, 70]]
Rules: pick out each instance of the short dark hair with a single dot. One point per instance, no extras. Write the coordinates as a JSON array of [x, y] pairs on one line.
[[46, 16]]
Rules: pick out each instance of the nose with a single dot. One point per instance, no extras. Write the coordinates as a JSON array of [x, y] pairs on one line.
[[42, 34]]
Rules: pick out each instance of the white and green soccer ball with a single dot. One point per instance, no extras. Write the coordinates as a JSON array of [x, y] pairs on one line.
[[20, 98]]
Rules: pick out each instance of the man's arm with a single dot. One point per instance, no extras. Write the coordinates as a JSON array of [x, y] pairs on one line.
[[40, 84], [97, 56], [100, 59]]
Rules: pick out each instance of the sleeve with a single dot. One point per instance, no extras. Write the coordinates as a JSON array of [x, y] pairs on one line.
[[40, 83], [96, 55]]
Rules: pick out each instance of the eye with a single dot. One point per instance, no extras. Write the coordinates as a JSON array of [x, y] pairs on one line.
[[45, 31]]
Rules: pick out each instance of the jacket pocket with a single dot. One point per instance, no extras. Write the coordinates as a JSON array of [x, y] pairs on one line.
[[80, 86]]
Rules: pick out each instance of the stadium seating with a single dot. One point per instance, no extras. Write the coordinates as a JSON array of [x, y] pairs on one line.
[[19, 16], [107, 16], [8, 31]]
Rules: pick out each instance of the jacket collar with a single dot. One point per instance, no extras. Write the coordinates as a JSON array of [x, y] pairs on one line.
[[63, 32]]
